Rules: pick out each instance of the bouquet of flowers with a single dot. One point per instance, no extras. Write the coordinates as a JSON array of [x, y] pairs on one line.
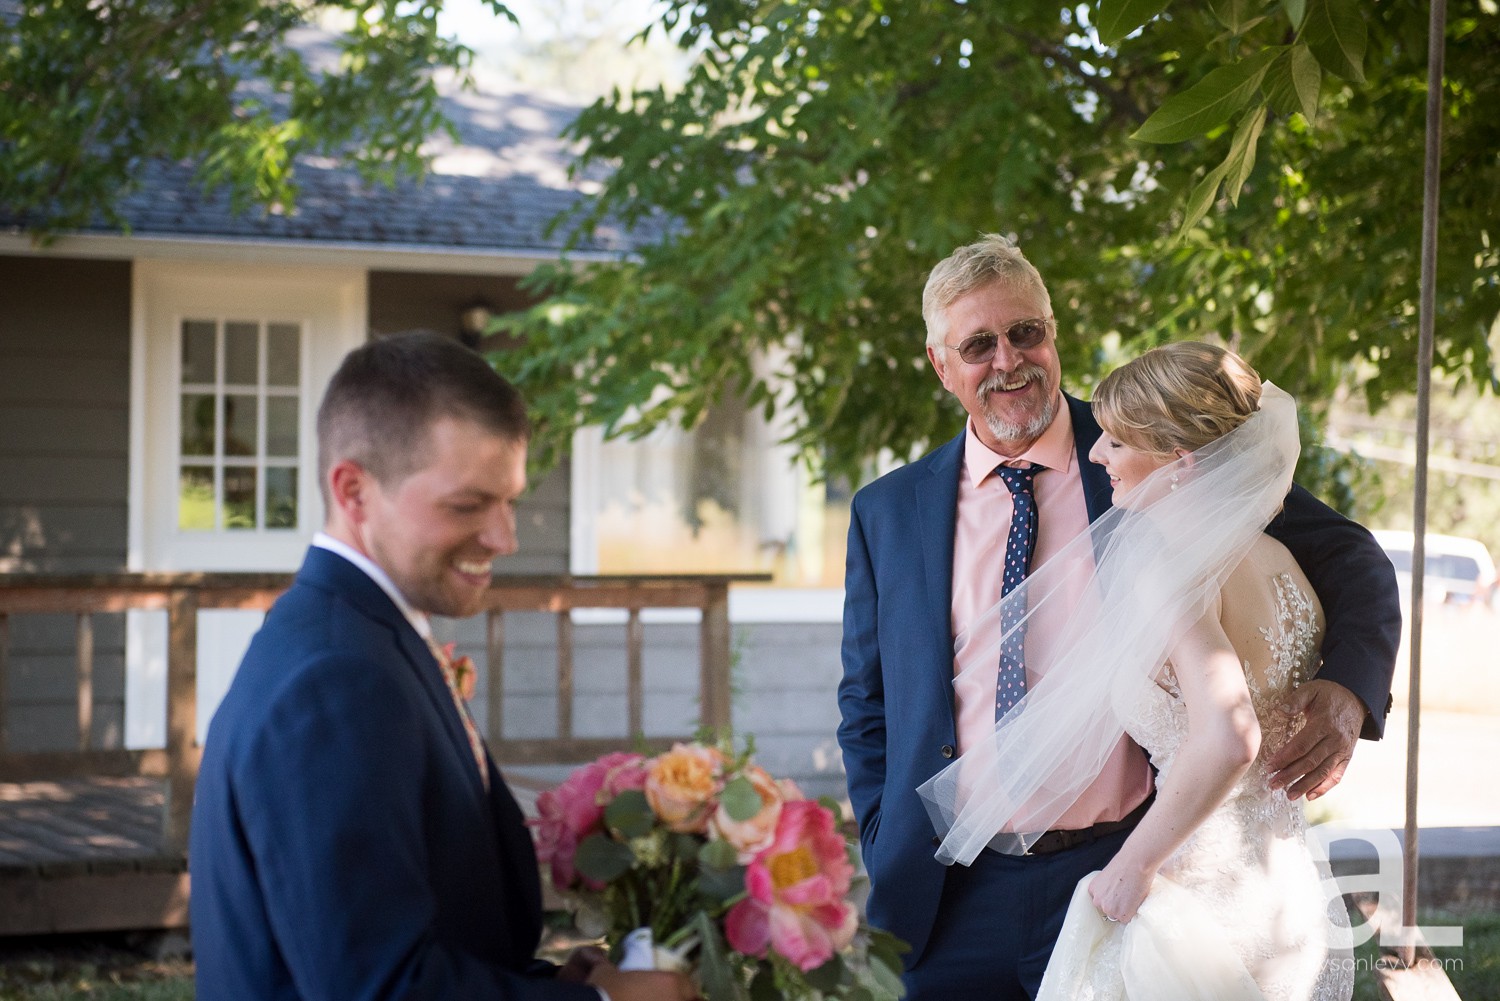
[[715, 867]]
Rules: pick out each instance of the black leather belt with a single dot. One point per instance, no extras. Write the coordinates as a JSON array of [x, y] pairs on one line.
[[1052, 842]]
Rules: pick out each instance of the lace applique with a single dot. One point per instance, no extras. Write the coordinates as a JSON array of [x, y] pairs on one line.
[[1249, 861]]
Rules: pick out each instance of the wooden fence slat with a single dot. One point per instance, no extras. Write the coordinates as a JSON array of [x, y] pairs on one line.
[[564, 676], [495, 666], [85, 644], [4, 681], [715, 659], [635, 689], [182, 715]]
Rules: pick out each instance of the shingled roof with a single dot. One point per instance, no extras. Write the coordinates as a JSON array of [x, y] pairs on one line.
[[494, 190]]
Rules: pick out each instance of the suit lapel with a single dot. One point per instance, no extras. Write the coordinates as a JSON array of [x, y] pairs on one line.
[[1097, 495], [332, 572], [937, 496]]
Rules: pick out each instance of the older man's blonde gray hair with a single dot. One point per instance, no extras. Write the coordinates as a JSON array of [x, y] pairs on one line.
[[992, 259]]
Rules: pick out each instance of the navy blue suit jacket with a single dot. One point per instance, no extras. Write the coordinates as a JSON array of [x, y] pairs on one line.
[[896, 696], [343, 846]]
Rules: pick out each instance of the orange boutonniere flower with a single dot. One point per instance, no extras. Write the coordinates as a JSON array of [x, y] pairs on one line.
[[465, 676]]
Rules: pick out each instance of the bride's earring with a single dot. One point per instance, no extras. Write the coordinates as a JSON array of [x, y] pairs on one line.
[[1173, 481]]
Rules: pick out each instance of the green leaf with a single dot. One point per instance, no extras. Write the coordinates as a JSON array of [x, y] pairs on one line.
[[630, 814], [739, 799], [1233, 14], [1337, 34], [1295, 9], [722, 886], [713, 964], [1209, 102], [603, 858], [888, 978], [1202, 198], [763, 986], [826, 978], [1241, 158], [718, 855], [1307, 77], [1118, 18]]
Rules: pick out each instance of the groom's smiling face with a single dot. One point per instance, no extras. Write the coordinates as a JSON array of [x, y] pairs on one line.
[[436, 531]]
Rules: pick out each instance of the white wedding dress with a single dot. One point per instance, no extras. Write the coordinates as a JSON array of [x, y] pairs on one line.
[[1241, 910]]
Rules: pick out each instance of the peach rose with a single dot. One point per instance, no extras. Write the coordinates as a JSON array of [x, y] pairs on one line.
[[749, 837], [682, 784]]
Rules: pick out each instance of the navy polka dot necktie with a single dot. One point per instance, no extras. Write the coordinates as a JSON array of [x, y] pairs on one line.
[[1011, 683]]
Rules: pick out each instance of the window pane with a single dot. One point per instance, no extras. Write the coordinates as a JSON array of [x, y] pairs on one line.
[[197, 424], [281, 498], [195, 499], [239, 424], [239, 497], [283, 355], [281, 426], [198, 351], [242, 353]]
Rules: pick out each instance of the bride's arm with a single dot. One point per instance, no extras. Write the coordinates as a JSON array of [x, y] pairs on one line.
[[1222, 741]]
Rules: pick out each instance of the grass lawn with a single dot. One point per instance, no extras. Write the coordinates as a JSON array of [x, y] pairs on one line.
[[115, 969]]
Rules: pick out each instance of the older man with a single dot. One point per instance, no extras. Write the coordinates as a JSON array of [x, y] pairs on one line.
[[935, 544]]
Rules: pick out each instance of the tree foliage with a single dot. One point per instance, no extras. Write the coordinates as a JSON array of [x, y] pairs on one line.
[[1243, 169], [89, 92]]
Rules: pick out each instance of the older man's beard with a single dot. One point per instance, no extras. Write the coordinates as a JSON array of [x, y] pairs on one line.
[[1006, 430]]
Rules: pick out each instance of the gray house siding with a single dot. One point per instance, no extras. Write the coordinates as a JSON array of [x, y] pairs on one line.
[[64, 466]]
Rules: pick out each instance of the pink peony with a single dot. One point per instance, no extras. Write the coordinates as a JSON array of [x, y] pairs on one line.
[[574, 810], [749, 837], [682, 786], [797, 888]]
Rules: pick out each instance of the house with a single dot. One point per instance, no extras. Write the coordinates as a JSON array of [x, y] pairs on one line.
[[157, 397]]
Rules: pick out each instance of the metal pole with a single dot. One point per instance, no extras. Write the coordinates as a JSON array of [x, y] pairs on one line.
[[1436, 30]]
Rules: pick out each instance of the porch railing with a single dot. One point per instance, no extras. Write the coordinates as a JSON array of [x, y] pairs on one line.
[[183, 595]]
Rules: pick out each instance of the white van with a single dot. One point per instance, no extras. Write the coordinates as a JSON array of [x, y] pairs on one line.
[[1459, 570]]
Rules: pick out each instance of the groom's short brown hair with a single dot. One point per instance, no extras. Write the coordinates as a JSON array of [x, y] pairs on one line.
[[386, 395]]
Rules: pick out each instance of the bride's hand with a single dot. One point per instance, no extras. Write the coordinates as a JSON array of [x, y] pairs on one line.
[[1119, 889]]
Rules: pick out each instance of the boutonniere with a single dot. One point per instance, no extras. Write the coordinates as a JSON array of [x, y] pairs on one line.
[[465, 676]]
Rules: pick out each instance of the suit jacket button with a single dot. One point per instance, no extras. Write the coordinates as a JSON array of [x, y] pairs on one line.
[[947, 750]]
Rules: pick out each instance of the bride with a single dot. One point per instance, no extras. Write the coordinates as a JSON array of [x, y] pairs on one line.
[[1191, 626]]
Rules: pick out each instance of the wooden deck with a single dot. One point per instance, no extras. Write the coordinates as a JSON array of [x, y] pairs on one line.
[[88, 855]]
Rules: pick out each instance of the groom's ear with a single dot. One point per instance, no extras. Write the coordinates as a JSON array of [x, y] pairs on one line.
[[349, 486]]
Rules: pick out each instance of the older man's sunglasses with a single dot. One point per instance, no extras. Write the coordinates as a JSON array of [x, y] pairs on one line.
[[1022, 334]]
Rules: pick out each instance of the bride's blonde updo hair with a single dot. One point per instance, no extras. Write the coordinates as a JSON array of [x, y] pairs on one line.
[[1182, 395]]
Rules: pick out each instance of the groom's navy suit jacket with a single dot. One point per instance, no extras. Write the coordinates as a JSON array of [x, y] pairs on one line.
[[343, 845], [896, 696]]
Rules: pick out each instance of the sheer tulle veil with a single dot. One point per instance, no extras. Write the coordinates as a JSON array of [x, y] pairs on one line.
[[1125, 589]]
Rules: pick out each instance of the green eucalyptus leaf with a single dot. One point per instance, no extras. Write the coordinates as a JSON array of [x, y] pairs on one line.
[[714, 969], [602, 858], [718, 855], [740, 799], [1209, 102], [827, 977], [630, 814], [722, 886]]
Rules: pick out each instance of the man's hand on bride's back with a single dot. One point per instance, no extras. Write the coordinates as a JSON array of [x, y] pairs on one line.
[[1314, 760]]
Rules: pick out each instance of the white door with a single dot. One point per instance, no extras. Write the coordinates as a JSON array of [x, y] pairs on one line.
[[228, 364]]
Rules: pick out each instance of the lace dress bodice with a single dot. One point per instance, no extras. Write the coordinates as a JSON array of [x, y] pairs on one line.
[[1249, 862]]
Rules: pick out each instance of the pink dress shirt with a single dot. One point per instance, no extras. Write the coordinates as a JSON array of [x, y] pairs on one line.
[[983, 526]]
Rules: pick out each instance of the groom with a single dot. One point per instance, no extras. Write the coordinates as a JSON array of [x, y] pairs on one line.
[[925, 560], [351, 836]]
